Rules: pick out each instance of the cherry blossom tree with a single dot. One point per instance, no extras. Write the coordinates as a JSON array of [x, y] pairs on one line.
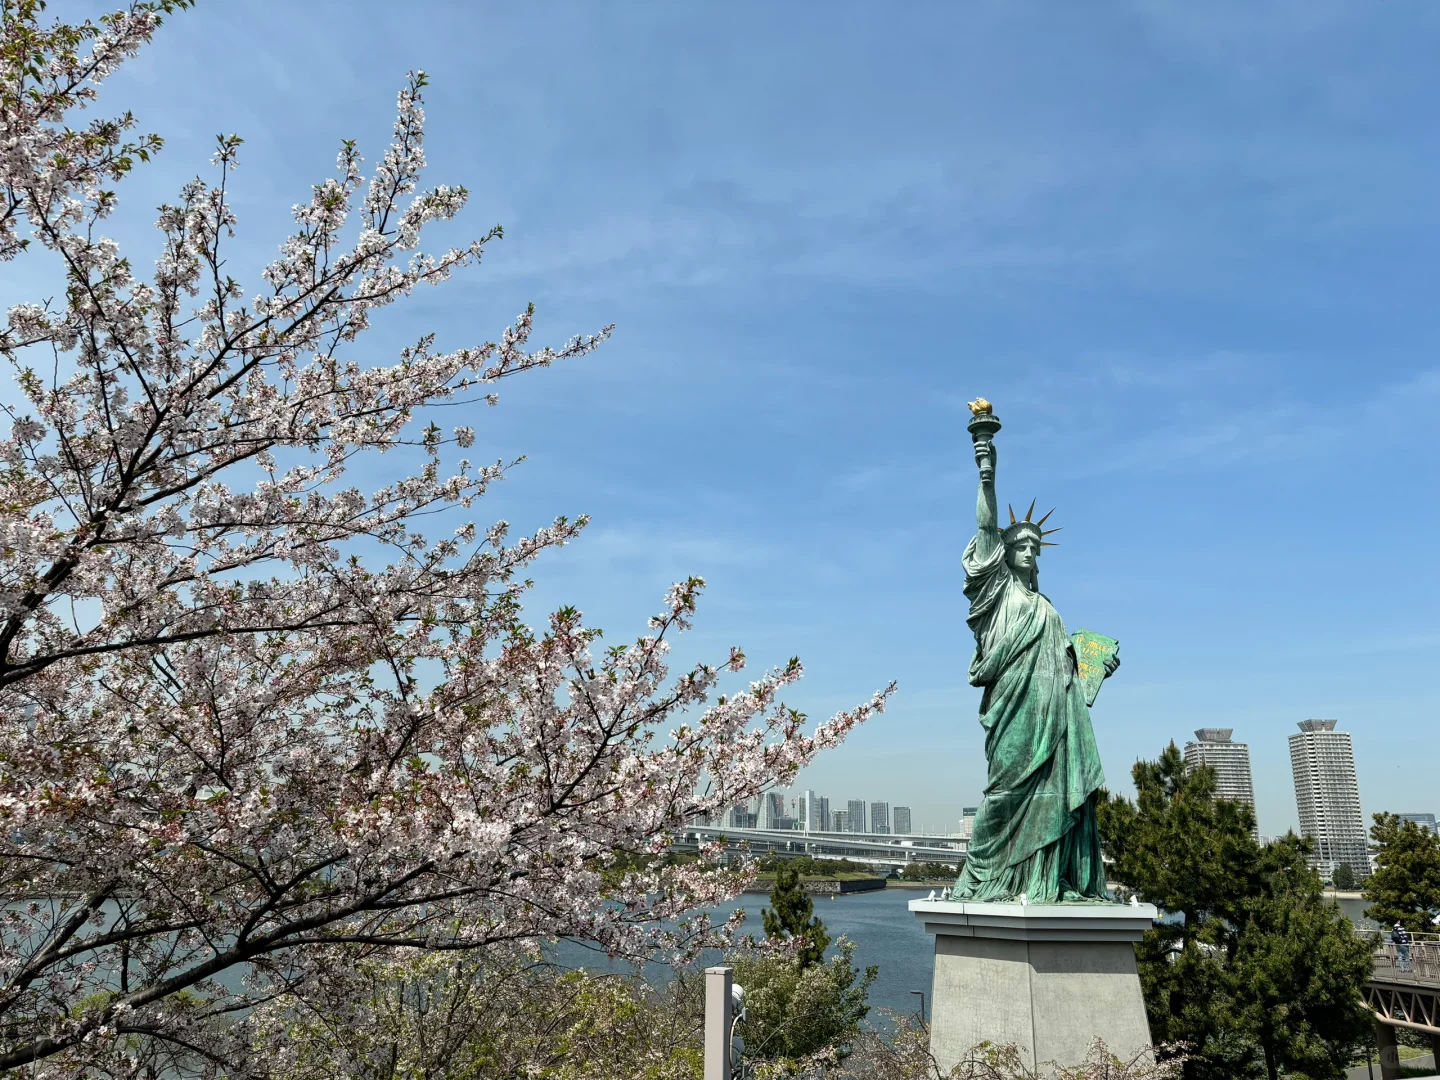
[[255, 717]]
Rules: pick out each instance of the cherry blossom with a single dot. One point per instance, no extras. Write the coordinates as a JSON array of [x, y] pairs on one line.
[[255, 714]]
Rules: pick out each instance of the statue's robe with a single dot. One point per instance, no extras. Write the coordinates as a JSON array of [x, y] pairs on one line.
[[1035, 832]]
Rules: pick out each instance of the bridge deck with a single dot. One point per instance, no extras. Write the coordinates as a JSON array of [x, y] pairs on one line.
[[1423, 968], [1406, 993], [891, 849]]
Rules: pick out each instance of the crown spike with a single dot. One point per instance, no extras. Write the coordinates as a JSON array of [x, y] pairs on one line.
[[1031, 510], [1047, 532], [1046, 517], [1047, 543], [1012, 513]]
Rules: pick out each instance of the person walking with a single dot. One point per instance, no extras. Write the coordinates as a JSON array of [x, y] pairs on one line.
[[1401, 937]]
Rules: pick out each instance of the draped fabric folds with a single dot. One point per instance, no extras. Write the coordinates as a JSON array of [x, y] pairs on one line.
[[1035, 832]]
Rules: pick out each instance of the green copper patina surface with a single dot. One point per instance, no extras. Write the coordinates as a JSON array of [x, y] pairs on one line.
[[1035, 833]]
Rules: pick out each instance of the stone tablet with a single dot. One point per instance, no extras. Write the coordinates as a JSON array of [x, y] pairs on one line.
[[1091, 652]]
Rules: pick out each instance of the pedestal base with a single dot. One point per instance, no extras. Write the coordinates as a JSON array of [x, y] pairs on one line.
[[1048, 978]]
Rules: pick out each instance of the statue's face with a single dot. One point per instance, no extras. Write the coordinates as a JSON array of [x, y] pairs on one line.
[[1021, 555]]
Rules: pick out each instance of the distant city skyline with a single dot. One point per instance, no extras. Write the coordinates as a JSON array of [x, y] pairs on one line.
[[813, 814], [1272, 785], [1215, 746]]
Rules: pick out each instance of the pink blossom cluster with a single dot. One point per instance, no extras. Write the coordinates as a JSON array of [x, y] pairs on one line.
[[252, 714]]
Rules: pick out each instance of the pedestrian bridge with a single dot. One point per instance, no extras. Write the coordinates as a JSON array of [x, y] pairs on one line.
[[1405, 993]]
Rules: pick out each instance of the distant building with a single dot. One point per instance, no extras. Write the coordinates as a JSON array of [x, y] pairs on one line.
[[772, 811], [810, 812], [1425, 821], [879, 817], [823, 812], [967, 821], [741, 817], [1327, 795], [840, 821], [856, 816], [902, 820], [1231, 762]]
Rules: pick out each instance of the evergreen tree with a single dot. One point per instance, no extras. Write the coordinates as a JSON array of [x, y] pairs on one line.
[[1406, 881], [1296, 970], [1254, 970], [1344, 877], [793, 1010], [791, 914]]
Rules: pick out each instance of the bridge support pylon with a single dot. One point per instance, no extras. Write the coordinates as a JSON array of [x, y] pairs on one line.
[[1389, 1051]]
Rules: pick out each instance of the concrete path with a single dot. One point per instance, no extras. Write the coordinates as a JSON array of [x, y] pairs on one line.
[[1360, 1072]]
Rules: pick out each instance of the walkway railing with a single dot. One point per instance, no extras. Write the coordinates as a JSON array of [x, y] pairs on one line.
[[1419, 963]]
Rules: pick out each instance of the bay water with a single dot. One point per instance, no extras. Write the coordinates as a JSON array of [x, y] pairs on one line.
[[885, 933]]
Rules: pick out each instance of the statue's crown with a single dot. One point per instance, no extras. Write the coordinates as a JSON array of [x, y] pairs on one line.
[[1027, 527]]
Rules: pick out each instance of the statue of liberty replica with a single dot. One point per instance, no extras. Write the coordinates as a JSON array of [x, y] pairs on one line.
[[1029, 947], [1035, 836]]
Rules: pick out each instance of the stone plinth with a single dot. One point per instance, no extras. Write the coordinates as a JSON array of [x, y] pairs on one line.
[[1048, 977]]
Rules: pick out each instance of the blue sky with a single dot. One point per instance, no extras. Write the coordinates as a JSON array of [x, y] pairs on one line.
[[1187, 249]]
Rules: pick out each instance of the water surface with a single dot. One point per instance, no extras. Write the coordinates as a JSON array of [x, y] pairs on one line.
[[884, 932]]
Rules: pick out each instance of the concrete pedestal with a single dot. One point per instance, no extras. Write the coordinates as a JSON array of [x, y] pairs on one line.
[[1048, 977]]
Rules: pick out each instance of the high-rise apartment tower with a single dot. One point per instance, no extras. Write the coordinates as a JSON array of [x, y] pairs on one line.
[[856, 815], [879, 817], [1328, 796], [902, 820], [1231, 762]]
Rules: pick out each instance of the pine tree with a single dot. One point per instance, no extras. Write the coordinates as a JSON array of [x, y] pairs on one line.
[[1344, 877], [1406, 881], [1259, 975], [790, 914], [1296, 970]]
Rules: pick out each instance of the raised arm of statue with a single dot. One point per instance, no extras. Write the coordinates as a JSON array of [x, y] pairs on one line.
[[987, 517]]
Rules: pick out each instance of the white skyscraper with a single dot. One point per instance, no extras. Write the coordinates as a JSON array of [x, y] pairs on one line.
[[772, 810], [1231, 762], [902, 819], [1328, 796], [811, 810], [879, 817]]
